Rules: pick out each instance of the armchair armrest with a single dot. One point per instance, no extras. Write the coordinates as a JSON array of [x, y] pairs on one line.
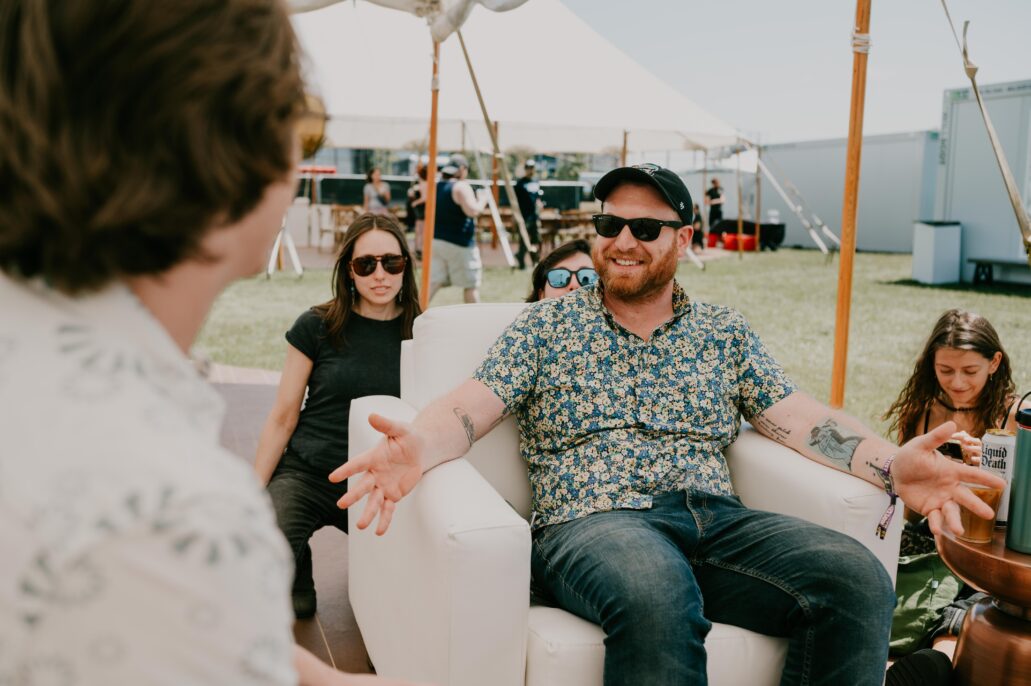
[[443, 596], [769, 476]]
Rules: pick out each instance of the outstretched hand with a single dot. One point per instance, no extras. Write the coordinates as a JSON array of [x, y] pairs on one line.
[[391, 469], [932, 484]]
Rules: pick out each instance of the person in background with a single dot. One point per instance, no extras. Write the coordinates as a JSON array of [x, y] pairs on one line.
[[417, 203], [563, 270], [698, 237], [963, 376], [456, 256], [340, 350], [375, 193], [714, 200], [149, 154], [531, 200]]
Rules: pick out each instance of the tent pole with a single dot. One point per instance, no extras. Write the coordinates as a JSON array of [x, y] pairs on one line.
[[622, 155], [705, 189], [860, 49], [494, 190], [509, 188], [431, 184], [740, 212], [758, 201]]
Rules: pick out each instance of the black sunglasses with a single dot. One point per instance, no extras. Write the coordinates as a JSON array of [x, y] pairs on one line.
[[366, 264], [643, 228], [559, 277]]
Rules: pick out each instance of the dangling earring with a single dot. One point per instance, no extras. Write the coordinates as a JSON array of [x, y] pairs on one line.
[[354, 292], [399, 292]]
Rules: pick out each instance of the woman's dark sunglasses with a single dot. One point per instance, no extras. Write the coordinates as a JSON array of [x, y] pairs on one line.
[[643, 229], [559, 276], [366, 264]]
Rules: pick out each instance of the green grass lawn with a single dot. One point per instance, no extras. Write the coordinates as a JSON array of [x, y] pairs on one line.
[[788, 296]]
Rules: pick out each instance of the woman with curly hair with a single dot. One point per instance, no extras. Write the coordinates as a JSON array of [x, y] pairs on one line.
[[962, 375]]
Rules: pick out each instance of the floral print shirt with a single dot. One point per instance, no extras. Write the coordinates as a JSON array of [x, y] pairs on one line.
[[608, 420]]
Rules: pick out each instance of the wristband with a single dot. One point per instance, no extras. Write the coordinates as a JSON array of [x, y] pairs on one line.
[[889, 487]]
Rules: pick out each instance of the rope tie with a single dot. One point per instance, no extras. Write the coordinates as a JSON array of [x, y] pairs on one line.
[[860, 42]]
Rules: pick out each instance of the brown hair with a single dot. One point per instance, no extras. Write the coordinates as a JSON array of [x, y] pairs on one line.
[[336, 312], [131, 129], [963, 331], [540, 272]]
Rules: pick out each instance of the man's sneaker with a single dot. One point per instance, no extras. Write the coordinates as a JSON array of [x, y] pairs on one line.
[[304, 604]]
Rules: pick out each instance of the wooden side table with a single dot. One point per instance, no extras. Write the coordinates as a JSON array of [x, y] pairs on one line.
[[994, 646]]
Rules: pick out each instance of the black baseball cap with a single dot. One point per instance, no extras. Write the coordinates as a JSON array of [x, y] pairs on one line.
[[669, 185]]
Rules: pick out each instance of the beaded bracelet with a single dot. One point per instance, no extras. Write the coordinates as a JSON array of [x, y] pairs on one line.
[[884, 472]]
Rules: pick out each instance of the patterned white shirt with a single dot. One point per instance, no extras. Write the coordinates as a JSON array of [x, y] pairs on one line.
[[133, 549]]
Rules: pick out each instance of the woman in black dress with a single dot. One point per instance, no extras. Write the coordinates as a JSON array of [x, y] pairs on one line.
[[343, 349]]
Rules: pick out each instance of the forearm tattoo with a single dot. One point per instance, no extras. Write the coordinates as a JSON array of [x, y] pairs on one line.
[[835, 442], [771, 429], [467, 424]]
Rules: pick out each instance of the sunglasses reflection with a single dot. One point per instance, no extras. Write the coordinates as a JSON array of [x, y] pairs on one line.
[[559, 277]]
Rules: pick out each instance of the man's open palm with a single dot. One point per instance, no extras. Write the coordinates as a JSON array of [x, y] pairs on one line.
[[932, 484], [391, 470]]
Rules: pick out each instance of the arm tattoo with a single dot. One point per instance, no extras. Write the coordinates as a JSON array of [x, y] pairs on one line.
[[835, 442], [467, 424], [771, 429]]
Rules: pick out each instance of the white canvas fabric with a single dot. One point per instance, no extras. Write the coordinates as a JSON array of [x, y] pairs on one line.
[[373, 66]]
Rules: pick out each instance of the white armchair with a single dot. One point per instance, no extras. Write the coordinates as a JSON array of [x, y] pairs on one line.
[[444, 596]]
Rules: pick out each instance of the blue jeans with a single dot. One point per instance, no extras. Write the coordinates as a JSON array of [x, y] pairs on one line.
[[655, 579]]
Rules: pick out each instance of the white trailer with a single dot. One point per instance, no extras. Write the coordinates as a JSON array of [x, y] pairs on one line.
[[970, 187]]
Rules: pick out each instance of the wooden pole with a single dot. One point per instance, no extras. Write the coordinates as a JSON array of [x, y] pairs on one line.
[[705, 189], [494, 190], [622, 156], [758, 200], [860, 49], [740, 212], [431, 184]]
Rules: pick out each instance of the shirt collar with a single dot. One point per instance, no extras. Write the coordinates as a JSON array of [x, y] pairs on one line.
[[118, 316]]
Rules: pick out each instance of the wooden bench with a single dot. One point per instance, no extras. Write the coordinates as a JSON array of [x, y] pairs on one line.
[[984, 267]]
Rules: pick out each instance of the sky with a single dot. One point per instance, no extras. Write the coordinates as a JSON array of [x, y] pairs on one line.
[[782, 71]]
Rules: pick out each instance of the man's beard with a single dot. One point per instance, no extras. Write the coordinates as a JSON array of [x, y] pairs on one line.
[[649, 282]]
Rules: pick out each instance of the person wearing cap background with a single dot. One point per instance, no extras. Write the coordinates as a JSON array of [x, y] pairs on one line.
[[531, 199], [626, 394], [456, 256]]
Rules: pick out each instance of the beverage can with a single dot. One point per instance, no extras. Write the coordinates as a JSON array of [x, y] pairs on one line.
[[998, 449]]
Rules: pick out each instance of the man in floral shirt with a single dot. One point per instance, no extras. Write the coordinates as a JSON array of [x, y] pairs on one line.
[[626, 395]]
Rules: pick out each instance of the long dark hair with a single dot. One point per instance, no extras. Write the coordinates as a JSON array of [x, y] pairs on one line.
[[540, 272], [963, 331], [336, 312]]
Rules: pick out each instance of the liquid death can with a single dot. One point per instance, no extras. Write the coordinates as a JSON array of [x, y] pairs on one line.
[[998, 449]]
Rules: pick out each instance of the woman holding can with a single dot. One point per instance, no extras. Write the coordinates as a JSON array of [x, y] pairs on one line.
[[962, 375]]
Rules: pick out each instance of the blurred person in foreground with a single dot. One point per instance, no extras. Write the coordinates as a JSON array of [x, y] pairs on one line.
[[626, 394], [561, 271], [149, 154]]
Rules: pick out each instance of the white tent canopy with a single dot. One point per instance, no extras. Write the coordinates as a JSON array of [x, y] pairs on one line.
[[549, 80]]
